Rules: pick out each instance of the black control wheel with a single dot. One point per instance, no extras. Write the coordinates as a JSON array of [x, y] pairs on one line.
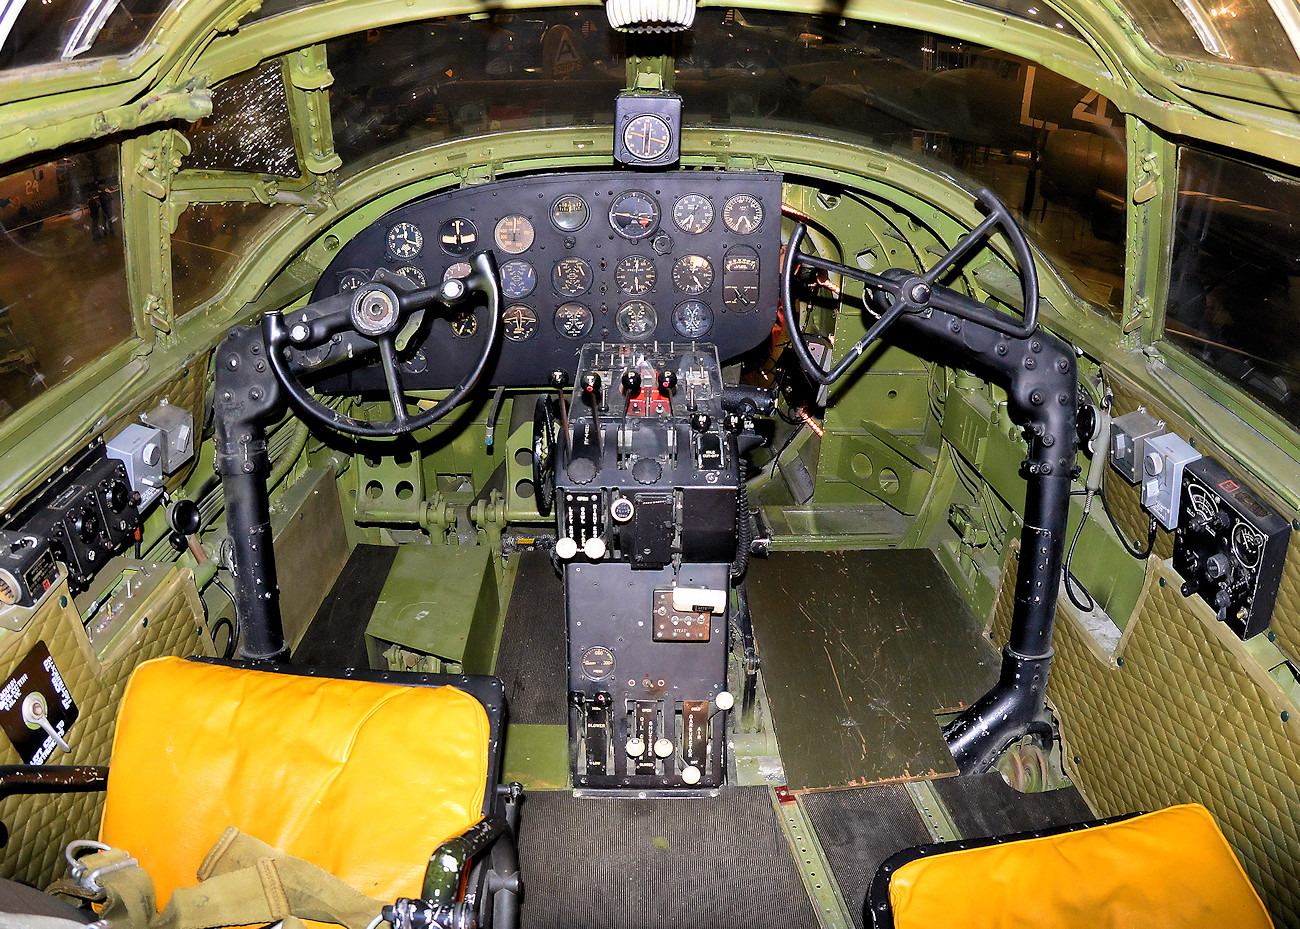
[[898, 291], [378, 313], [545, 454]]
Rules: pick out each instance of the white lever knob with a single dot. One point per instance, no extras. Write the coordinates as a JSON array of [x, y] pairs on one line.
[[663, 748], [635, 747]]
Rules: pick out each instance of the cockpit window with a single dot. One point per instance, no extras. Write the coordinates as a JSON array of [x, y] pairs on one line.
[[249, 128], [34, 32], [1053, 150], [1233, 301], [209, 240], [1246, 33], [63, 299], [1032, 10]]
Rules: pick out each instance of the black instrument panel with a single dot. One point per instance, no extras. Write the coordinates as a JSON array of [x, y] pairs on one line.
[[609, 256]]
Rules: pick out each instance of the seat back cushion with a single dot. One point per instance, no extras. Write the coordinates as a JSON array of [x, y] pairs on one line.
[[362, 779], [1171, 868]]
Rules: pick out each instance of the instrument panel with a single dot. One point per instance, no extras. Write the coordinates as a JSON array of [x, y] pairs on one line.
[[609, 256]]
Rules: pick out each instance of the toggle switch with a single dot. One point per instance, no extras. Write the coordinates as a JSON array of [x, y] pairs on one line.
[[37, 716]]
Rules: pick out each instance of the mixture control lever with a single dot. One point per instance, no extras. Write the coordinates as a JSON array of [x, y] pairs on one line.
[[559, 380], [591, 385]]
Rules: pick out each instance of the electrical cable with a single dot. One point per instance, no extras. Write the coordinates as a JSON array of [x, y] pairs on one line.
[[234, 624], [1139, 554], [1070, 579]]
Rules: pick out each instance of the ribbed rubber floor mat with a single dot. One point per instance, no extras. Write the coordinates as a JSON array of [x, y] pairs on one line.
[[336, 636], [983, 805], [634, 864], [532, 661], [858, 830]]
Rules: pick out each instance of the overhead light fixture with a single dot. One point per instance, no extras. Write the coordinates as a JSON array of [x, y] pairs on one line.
[[650, 15]]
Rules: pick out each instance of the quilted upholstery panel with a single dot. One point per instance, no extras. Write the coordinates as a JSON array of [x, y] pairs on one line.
[[1186, 717], [40, 826]]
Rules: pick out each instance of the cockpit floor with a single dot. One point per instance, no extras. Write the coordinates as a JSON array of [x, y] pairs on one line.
[[533, 661], [859, 650], [720, 862]]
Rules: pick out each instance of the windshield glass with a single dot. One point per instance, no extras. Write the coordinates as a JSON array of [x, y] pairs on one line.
[[63, 299], [1232, 298], [34, 32], [1052, 149], [1246, 33]]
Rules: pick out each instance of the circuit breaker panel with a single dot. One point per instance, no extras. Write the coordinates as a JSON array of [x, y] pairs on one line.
[[646, 504]]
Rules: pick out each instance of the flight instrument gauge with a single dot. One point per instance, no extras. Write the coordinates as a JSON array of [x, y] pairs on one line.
[[518, 279], [646, 137], [405, 240], [692, 274], [414, 275], [693, 213], [692, 319], [514, 233], [573, 320], [458, 236], [351, 280], [597, 664], [740, 279], [460, 269], [464, 324], [569, 213], [634, 275], [634, 214], [1248, 545], [636, 319], [571, 276], [520, 323], [742, 214]]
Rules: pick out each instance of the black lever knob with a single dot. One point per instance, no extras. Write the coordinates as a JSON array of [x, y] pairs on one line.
[[701, 422], [559, 379], [631, 383], [184, 517], [667, 382], [591, 387]]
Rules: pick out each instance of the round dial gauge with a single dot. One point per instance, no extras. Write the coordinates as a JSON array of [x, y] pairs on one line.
[[692, 274], [414, 275], [1247, 545], [598, 664], [634, 214], [460, 269], [634, 275], [514, 233], [351, 280], [571, 276], [518, 279], [405, 240], [742, 214], [520, 323], [463, 324], [457, 236], [569, 213], [693, 213], [636, 319], [692, 319], [573, 320], [646, 137]]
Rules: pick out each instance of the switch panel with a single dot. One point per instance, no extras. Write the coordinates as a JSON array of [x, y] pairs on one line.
[[1230, 547], [1128, 435], [1163, 459]]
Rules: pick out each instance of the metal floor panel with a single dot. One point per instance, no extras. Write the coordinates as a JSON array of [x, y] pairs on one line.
[[724, 863], [983, 805], [859, 649], [336, 637]]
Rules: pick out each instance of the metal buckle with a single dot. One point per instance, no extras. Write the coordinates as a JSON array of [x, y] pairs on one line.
[[88, 880]]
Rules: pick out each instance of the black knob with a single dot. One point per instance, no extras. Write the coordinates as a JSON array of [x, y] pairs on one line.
[[184, 517], [559, 379], [1216, 566], [701, 422], [178, 541], [631, 383], [119, 496], [667, 382], [87, 525], [734, 422], [591, 386]]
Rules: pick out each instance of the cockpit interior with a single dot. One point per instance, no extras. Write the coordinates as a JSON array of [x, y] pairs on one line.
[[649, 463]]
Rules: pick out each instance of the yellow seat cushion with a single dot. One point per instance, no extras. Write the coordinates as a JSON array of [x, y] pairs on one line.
[[1172, 868], [362, 779]]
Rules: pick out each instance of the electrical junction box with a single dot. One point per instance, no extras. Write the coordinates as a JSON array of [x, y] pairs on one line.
[[1163, 459], [140, 449], [176, 428], [1128, 435]]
